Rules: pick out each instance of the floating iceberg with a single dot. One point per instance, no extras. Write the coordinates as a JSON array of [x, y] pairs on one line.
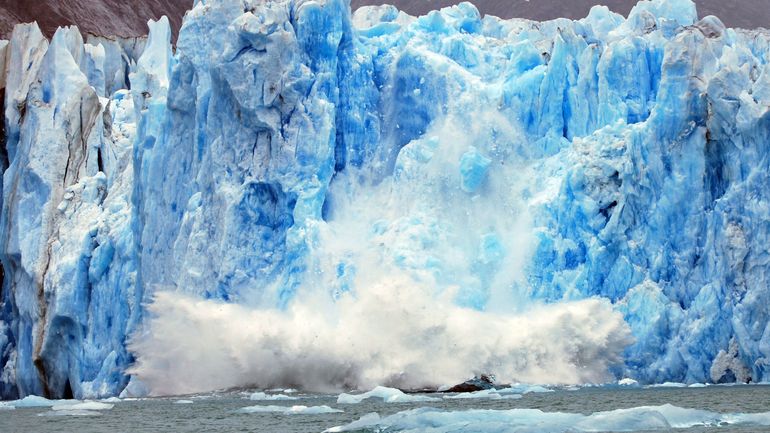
[[263, 396], [58, 407], [520, 388], [31, 401], [86, 405], [487, 394], [417, 187], [647, 418], [628, 382], [387, 395], [290, 410], [112, 400], [668, 385]]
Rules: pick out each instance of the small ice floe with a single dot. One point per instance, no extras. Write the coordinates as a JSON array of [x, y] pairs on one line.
[[290, 410], [668, 385], [71, 407], [487, 394], [183, 402], [387, 395], [77, 405], [520, 388], [628, 382], [261, 396], [112, 400], [698, 385], [33, 401]]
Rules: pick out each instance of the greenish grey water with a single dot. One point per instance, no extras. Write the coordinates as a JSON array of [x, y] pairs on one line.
[[217, 412]]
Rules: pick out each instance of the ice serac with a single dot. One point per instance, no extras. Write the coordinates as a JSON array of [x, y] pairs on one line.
[[67, 250], [233, 183], [316, 169]]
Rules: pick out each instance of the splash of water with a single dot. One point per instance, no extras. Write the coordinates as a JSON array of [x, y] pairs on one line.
[[392, 335], [412, 282]]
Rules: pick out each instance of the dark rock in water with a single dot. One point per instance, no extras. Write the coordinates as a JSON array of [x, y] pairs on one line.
[[419, 390], [476, 384]]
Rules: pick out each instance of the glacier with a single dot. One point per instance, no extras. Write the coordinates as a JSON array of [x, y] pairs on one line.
[[295, 189]]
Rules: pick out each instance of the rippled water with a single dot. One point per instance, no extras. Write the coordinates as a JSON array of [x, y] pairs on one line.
[[218, 412]]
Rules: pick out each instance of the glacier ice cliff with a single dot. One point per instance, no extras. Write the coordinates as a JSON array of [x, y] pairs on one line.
[[297, 165]]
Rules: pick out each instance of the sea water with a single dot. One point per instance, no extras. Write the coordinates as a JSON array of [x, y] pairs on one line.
[[223, 412]]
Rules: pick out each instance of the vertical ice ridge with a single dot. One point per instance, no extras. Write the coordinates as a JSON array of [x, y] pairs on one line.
[[65, 257]]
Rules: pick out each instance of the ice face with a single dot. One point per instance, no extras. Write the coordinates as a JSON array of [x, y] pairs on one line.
[[311, 170], [66, 227]]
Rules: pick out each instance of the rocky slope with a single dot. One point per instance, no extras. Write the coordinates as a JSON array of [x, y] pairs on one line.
[[735, 13], [129, 18], [125, 18]]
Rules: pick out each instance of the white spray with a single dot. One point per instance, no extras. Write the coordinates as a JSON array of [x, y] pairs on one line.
[[413, 282]]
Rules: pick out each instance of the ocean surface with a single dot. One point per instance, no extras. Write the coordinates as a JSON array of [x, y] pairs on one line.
[[219, 412]]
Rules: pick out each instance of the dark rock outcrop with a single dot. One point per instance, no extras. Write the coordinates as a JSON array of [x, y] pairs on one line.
[[121, 18], [128, 18], [476, 384]]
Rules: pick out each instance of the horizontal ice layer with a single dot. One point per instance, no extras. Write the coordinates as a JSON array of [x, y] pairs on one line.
[[645, 418], [288, 157]]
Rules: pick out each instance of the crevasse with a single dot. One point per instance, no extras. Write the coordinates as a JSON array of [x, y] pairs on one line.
[[290, 148]]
